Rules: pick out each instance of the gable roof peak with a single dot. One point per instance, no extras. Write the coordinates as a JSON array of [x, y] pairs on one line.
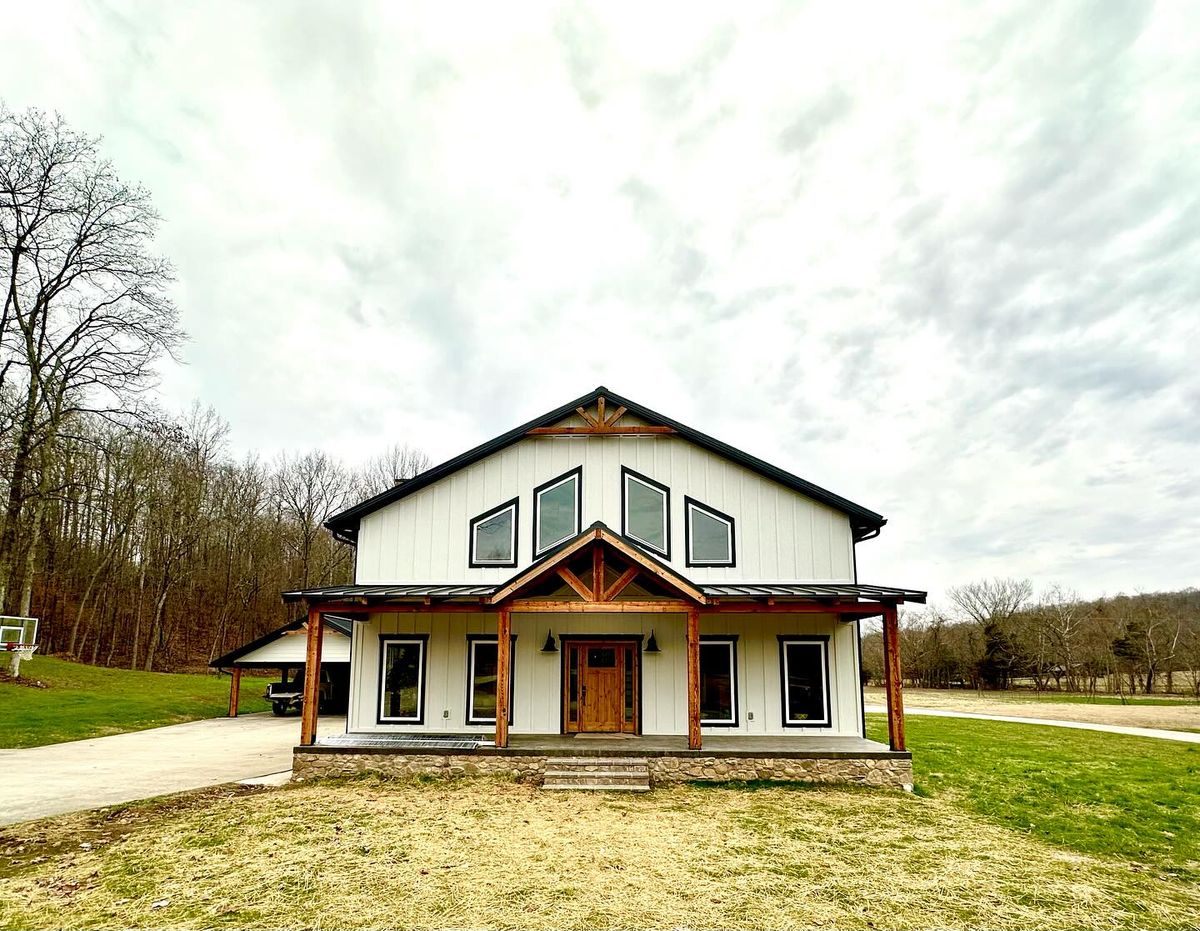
[[864, 522]]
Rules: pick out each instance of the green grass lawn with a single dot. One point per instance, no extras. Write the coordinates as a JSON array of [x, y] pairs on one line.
[[1109, 795], [82, 701]]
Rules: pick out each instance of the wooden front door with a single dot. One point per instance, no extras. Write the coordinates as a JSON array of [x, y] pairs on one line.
[[600, 687]]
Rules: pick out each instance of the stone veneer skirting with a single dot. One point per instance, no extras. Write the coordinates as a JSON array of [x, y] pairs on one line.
[[892, 770]]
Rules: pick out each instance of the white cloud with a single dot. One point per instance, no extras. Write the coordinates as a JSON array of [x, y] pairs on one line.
[[938, 260]]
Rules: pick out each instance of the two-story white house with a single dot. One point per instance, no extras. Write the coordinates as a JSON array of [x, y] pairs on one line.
[[606, 584]]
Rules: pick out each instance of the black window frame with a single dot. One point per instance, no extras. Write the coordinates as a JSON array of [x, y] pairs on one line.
[[384, 640], [472, 561], [688, 504], [577, 473], [626, 474], [735, 678], [823, 641], [472, 640]]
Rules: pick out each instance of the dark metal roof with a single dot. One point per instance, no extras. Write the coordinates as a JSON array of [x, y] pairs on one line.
[[333, 592], [863, 520], [796, 590], [341, 624], [811, 590]]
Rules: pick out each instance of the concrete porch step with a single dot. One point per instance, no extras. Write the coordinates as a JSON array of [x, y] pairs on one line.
[[620, 774]]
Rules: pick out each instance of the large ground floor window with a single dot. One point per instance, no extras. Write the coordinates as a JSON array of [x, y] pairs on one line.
[[804, 667], [482, 668], [718, 681], [402, 678]]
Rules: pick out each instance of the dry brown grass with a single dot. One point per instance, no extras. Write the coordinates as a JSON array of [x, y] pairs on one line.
[[1181, 716], [373, 854]]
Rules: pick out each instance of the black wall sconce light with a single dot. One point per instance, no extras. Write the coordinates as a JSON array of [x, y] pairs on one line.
[[549, 646], [652, 644]]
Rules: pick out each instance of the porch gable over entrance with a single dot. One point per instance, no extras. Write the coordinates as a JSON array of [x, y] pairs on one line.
[[599, 571]]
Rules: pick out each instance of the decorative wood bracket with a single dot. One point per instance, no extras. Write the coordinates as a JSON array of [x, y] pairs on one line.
[[600, 423]]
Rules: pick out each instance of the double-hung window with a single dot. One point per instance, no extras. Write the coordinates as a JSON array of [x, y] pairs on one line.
[[556, 508], [402, 678], [646, 512], [718, 681], [804, 668], [482, 674]]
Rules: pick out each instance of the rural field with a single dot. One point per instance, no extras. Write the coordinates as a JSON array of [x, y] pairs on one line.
[[1012, 826], [1169, 713], [57, 700]]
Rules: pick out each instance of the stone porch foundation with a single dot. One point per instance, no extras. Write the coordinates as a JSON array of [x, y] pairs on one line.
[[893, 770]]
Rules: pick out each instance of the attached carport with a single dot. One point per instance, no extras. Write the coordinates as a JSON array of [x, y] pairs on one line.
[[284, 649]]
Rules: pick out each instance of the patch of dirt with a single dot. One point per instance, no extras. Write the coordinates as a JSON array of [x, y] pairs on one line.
[[1182, 717], [33, 842], [29, 683]]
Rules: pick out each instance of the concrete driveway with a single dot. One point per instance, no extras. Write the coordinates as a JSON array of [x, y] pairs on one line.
[[82, 774]]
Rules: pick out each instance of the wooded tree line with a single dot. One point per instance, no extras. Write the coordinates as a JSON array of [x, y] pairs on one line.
[[158, 551], [996, 633], [129, 532]]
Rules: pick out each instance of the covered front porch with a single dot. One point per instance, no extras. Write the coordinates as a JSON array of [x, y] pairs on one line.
[[602, 596]]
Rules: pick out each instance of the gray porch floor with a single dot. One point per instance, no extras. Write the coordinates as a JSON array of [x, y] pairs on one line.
[[801, 745]]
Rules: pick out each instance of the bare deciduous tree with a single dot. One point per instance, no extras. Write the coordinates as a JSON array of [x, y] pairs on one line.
[[395, 464], [85, 314]]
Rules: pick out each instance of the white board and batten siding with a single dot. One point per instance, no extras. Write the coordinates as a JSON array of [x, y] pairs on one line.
[[291, 650], [537, 676], [781, 535]]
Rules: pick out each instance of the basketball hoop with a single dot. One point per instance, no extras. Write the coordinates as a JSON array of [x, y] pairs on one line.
[[18, 639]]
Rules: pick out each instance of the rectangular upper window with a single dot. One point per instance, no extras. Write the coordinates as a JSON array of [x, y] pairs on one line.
[[709, 535], [402, 679], [494, 537], [482, 660], [804, 667], [556, 507], [646, 511], [718, 681]]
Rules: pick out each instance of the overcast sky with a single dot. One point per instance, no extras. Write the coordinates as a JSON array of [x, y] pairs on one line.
[[942, 261]]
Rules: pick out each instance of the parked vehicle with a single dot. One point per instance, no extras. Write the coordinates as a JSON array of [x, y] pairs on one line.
[[289, 696]]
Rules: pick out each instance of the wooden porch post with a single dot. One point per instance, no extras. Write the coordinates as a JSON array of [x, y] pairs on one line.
[[235, 686], [309, 712], [892, 680], [503, 673], [693, 678]]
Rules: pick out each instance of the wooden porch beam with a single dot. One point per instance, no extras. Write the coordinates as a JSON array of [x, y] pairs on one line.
[[575, 582], [849, 609], [235, 687], [309, 710], [693, 679], [892, 677], [620, 584], [597, 593], [858, 609], [530, 606], [437, 607], [503, 674]]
